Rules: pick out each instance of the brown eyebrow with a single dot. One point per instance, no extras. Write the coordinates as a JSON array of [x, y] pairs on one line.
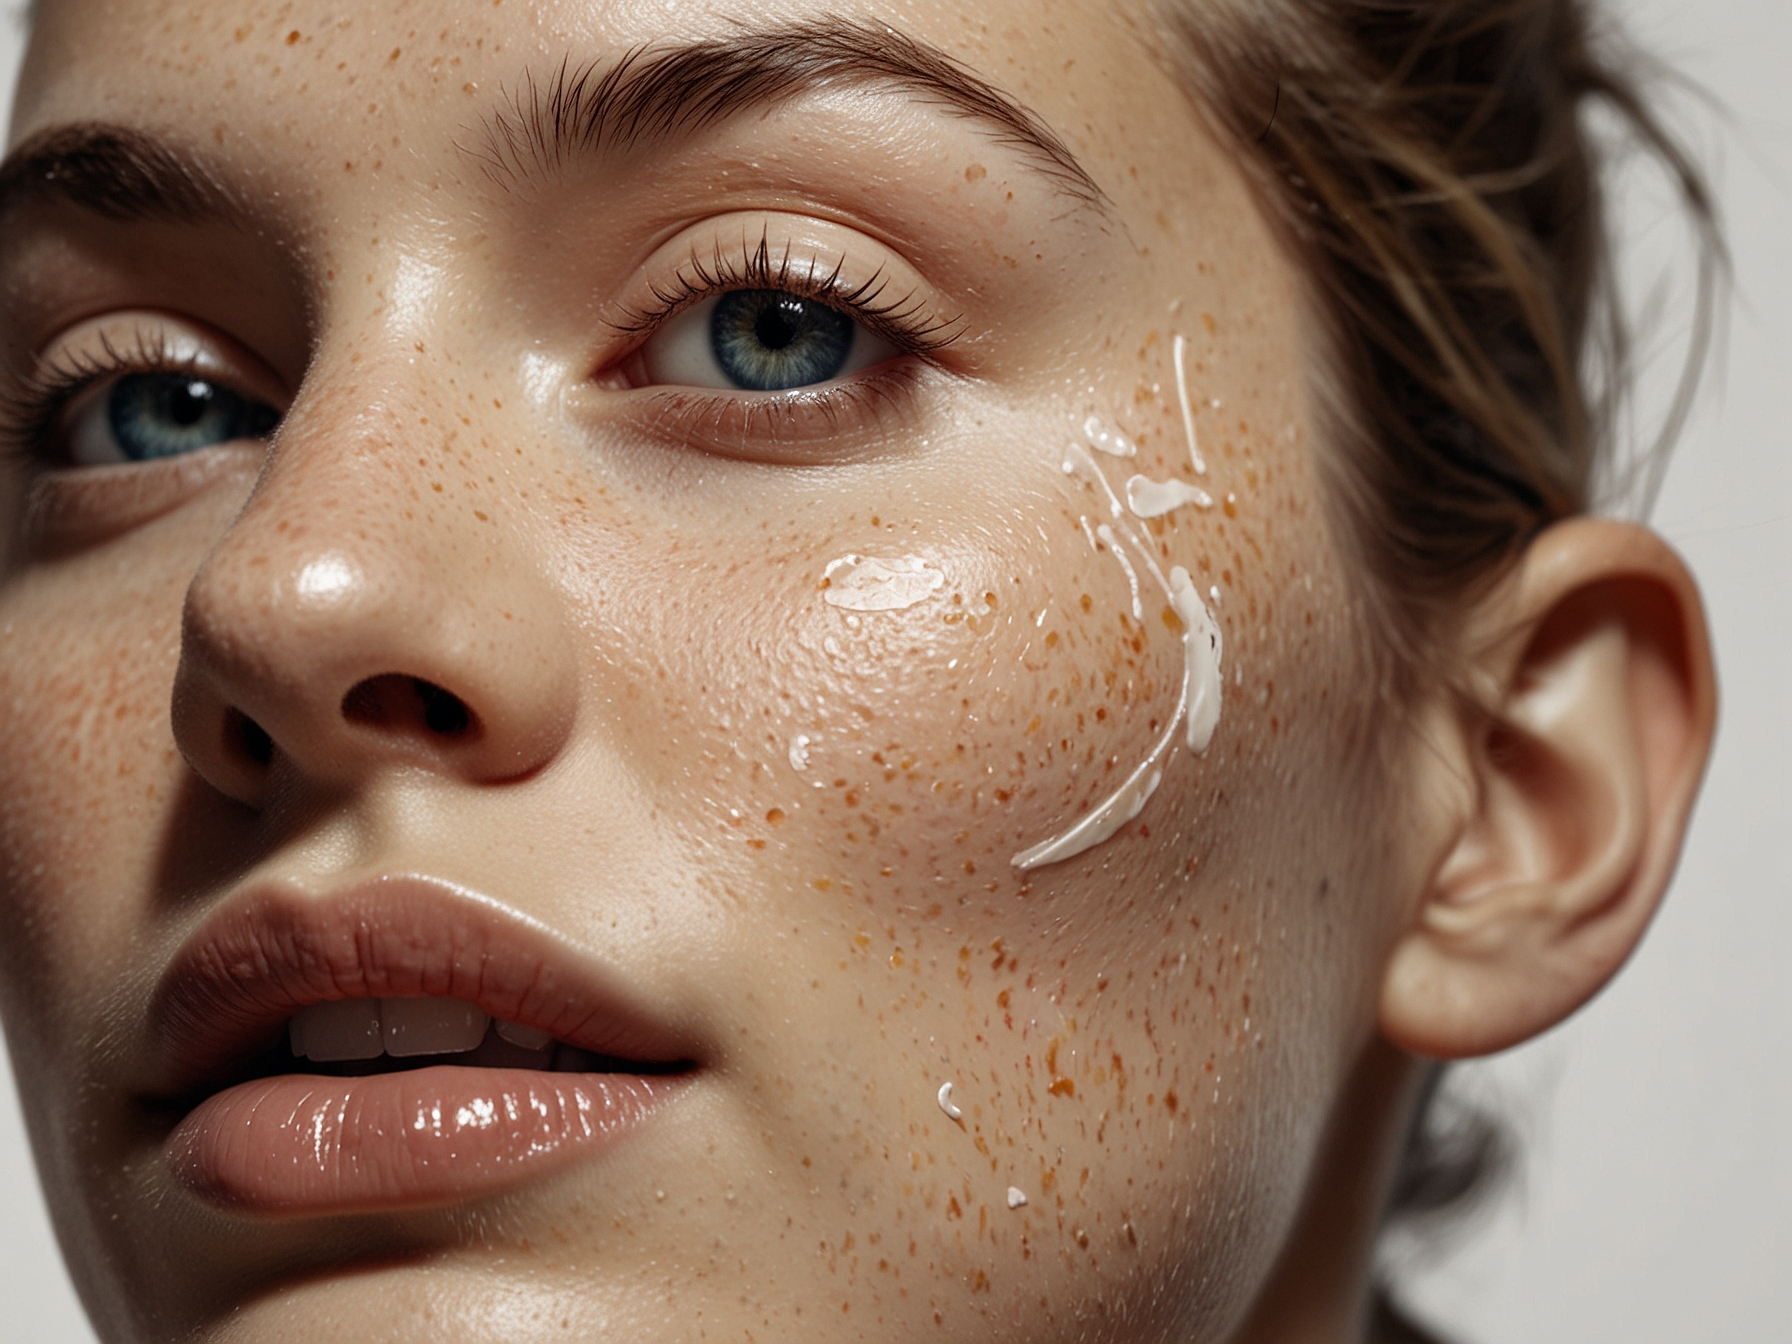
[[113, 171], [657, 91]]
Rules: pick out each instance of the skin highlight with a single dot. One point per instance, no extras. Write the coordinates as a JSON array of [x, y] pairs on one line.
[[1159, 1042]]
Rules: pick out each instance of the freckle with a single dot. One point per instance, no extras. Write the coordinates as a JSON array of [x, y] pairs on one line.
[[292, 38], [975, 173], [775, 816]]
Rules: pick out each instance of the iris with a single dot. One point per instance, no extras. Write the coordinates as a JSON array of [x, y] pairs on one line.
[[766, 340], [155, 415]]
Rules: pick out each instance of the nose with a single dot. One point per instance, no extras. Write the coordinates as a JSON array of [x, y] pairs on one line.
[[361, 616]]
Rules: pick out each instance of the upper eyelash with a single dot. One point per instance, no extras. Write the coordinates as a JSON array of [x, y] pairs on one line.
[[900, 319], [33, 400]]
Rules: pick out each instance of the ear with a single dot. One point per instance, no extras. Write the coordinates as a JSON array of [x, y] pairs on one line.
[[1581, 751]]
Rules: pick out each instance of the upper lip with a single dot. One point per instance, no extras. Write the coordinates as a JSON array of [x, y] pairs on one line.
[[260, 958]]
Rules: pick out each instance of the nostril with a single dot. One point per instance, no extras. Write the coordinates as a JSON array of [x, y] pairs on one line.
[[249, 737], [445, 712], [397, 703]]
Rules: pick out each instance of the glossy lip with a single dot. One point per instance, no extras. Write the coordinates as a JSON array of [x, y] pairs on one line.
[[230, 989], [299, 1144]]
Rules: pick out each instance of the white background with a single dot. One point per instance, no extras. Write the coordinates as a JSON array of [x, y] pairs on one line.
[[1656, 1199]]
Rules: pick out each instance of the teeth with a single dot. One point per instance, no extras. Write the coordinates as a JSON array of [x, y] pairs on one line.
[[431, 1026], [346, 1029], [530, 1038], [368, 1028]]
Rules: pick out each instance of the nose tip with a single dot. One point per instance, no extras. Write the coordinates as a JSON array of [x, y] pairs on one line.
[[334, 666]]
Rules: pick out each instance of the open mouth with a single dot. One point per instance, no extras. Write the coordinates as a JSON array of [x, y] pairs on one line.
[[354, 1038], [402, 1043]]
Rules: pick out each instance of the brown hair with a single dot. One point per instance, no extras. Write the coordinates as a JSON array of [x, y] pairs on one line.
[[1430, 166]]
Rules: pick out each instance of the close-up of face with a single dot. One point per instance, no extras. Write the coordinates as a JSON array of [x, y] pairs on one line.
[[690, 673]]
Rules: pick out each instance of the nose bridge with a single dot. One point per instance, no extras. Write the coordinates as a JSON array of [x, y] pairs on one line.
[[375, 604]]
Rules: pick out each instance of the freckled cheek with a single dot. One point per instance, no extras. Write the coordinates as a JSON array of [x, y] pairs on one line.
[[935, 740], [88, 770]]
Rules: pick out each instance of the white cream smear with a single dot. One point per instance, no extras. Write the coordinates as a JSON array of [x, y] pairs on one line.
[[1110, 441], [945, 1100], [1198, 702], [1016, 1197], [866, 583], [1153, 499], [1106, 534]]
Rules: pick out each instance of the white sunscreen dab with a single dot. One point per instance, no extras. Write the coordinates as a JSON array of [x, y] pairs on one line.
[[1112, 442], [866, 583], [1177, 348], [1201, 650], [1106, 533], [1153, 499], [1198, 703], [799, 751], [952, 1112], [1016, 1197]]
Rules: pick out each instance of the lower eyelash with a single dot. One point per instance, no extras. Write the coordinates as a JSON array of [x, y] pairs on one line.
[[753, 426]]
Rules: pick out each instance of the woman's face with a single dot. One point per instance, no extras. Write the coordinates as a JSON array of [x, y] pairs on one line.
[[694, 559]]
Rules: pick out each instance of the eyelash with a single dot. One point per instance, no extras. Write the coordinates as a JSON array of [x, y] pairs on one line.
[[33, 401], [902, 319]]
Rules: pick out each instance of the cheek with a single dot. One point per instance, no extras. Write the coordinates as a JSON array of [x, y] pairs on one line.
[[89, 767], [878, 741]]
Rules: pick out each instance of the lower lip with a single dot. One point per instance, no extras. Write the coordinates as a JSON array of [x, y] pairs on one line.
[[302, 1144]]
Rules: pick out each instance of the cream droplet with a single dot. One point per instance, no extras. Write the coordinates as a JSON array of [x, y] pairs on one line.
[[799, 751], [1016, 1197], [1153, 499], [952, 1112]]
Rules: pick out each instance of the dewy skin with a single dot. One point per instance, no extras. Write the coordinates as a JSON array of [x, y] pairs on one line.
[[1199, 698]]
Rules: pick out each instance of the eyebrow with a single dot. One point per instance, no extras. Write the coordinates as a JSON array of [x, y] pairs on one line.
[[650, 94], [114, 172], [656, 92]]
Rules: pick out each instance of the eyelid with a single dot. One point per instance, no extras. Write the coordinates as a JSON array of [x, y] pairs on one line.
[[35, 404], [811, 258]]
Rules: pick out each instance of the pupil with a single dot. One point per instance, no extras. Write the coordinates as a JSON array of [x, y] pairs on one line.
[[777, 327], [190, 403]]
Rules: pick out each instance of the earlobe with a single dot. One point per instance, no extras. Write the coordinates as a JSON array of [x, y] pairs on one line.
[[1582, 756]]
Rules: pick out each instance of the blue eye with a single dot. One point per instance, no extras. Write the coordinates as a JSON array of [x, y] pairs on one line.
[[767, 341], [761, 340], [146, 416]]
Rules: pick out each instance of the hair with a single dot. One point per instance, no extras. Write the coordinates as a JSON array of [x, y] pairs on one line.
[[1430, 166]]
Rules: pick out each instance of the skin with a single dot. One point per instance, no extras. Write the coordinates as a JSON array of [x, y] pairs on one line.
[[1188, 1046]]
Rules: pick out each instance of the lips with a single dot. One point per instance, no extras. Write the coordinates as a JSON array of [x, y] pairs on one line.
[[297, 1141]]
